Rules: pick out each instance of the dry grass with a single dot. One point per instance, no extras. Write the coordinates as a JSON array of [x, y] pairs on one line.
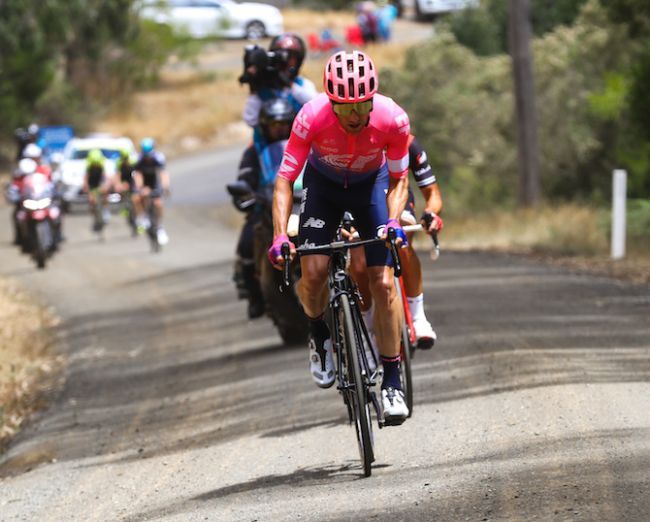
[[571, 235], [562, 230], [198, 109], [28, 369]]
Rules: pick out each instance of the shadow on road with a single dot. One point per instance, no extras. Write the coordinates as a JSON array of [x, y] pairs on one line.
[[183, 368]]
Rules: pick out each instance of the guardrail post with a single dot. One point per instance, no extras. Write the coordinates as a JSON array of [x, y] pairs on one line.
[[619, 189]]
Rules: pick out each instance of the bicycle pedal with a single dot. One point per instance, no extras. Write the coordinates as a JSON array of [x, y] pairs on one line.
[[394, 421], [425, 344]]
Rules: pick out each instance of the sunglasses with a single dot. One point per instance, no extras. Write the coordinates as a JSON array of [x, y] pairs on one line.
[[345, 109]]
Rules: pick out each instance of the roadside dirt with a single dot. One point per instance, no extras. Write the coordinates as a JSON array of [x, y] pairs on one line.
[[29, 366]]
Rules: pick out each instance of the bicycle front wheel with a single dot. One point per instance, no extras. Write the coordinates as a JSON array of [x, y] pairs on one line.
[[405, 367], [357, 393]]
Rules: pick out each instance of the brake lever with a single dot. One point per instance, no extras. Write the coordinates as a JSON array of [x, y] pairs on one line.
[[435, 252], [392, 236], [286, 276]]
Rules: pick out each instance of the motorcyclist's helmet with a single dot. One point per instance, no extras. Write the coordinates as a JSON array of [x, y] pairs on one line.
[[295, 48], [33, 129], [350, 77], [33, 151], [147, 146], [276, 118], [26, 166], [95, 158]]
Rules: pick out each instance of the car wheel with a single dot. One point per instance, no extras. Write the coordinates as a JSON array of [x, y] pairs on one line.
[[255, 30]]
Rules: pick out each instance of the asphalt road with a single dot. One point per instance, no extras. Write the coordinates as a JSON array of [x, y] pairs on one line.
[[534, 405]]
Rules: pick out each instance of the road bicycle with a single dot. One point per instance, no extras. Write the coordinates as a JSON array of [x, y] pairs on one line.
[[350, 338]]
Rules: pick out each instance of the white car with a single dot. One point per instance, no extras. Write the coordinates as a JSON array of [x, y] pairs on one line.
[[426, 9], [73, 167], [224, 18]]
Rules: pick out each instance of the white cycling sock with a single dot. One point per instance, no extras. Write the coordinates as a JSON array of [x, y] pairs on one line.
[[416, 306]]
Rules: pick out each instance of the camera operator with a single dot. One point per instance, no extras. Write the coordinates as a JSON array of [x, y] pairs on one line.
[[274, 74]]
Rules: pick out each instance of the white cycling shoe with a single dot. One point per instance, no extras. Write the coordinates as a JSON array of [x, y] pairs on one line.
[[424, 334], [162, 237], [395, 409], [321, 362]]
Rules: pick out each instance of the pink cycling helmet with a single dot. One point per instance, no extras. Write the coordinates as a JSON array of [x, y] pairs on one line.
[[350, 77]]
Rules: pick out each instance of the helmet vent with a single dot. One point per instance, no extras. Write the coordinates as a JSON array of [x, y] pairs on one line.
[[362, 90], [351, 87], [372, 83], [341, 91]]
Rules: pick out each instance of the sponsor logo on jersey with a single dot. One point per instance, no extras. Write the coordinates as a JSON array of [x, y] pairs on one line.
[[301, 126], [402, 122], [314, 223], [342, 161], [422, 157]]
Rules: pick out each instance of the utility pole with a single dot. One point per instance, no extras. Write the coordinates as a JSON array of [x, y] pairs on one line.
[[526, 114]]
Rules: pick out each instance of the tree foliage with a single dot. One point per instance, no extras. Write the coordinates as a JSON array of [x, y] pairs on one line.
[[485, 29], [58, 57], [461, 106]]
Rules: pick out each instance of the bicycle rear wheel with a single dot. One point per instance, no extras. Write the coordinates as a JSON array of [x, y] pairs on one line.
[[406, 349], [357, 393]]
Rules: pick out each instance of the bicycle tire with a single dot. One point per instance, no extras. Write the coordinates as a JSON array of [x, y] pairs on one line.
[[357, 393], [405, 367]]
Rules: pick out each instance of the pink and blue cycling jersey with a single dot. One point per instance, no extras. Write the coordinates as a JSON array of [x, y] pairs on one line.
[[343, 157]]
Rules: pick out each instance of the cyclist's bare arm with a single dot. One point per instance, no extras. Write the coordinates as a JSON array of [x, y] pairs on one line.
[[164, 180], [397, 196], [432, 198], [282, 204], [139, 180]]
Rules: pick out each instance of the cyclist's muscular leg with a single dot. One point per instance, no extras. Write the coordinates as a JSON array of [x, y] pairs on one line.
[[412, 271], [311, 288], [359, 272], [158, 206], [387, 310]]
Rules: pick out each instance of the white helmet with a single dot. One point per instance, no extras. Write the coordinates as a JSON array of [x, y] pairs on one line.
[[26, 167], [33, 129], [32, 151]]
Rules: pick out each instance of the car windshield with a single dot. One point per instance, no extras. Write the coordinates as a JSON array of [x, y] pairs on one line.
[[111, 154]]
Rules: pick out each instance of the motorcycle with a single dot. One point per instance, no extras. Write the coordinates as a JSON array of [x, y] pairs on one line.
[[282, 304], [39, 218]]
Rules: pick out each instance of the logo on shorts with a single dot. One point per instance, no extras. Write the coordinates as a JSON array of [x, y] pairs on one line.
[[314, 223]]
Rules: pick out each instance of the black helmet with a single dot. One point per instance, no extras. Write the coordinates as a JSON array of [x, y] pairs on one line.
[[294, 46], [277, 110]]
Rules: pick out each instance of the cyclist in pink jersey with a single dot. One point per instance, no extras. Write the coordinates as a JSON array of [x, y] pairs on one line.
[[353, 144]]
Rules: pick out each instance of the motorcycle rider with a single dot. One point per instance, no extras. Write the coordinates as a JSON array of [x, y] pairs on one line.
[[19, 190], [275, 120], [151, 181], [295, 88], [24, 137], [14, 195]]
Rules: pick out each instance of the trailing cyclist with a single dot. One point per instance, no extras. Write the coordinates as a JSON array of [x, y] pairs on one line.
[[151, 182], [354, 142], [411, 268], [96, 185], [125, 183]]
